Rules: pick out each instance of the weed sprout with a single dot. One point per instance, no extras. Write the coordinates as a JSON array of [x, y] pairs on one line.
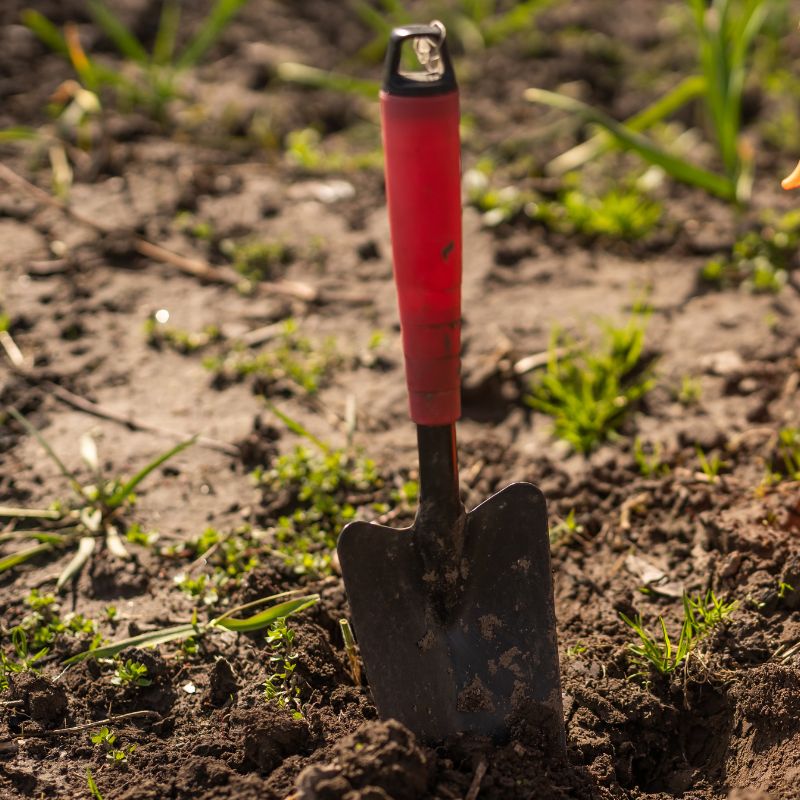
[[590, 391]]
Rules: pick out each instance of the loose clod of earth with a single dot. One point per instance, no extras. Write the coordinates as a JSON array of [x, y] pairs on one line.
[[193, 238]]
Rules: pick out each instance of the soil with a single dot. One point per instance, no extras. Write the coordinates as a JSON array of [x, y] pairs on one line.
[[727, 726]]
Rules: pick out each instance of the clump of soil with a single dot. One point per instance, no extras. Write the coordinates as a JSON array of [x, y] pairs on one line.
[[381, 761]]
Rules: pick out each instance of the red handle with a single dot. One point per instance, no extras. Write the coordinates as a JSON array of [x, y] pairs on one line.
[[423, 187]]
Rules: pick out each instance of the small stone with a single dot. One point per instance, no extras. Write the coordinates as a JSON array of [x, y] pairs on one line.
[[723, 363]]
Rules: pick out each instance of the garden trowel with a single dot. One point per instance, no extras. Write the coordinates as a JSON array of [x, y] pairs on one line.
[[454, 615]]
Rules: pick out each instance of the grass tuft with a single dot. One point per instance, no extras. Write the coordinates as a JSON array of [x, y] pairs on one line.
[[761, 258], [701, 614], [149, 79], [292, 359], [725, 32], [91, 515], [590, 391]]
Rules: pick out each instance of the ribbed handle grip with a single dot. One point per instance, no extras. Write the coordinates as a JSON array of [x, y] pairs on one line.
[[423, 186]]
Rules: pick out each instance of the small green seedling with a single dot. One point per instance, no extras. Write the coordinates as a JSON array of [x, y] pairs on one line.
[[135, 534], [784, 462], [590, 391], [576, 650], [351, 650], [291, 359], [92, 514], [623, 212], [690, 391], [131, 673], [565, 529], [701, 614], [230, 556], [650, 464], [159, 335], [200, 229], [319, 482], [258, 260], [710, 466], [789, 453], [282, 686], [44, 624], [784, 588], [761, 258], [106, 739], [304, 149], [25, 661]]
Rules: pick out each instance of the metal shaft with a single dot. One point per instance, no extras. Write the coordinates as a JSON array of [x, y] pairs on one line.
[[439, 527], [438, 466]]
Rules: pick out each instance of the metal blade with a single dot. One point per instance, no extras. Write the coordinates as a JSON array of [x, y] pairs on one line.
[[495, 657]]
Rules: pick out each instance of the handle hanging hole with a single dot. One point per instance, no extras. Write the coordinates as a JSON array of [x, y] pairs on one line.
[[429, 50]]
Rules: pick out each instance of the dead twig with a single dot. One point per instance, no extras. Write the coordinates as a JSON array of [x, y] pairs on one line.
[[88, 725], [636, 504], [786, 652], [536, 360], [12, 351], [477, 779], [96, 410], [258, 336], [190, 266]]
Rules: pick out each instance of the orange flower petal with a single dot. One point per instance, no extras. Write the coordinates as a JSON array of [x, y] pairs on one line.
[[793, 181]]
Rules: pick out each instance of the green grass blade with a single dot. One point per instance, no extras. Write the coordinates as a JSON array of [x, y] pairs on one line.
[[77, 562], [296, 427], [212, 28], [18, 133], [292, 72], [13, 560], [267, 617], [45, 31], [687, 90], [255, 604], [90, 782], [53, 38], [73, 481], [519, 18], [168, 24], [40, 536], [29, 513], [667, 643], [371, 17], [119, 33], [150, 639], [125, 490], [678, 168]]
